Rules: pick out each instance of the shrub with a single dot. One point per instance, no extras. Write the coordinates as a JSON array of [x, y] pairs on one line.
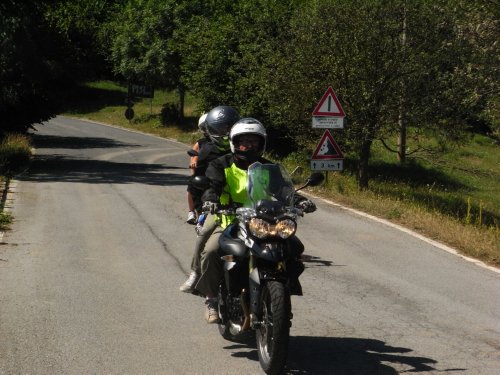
[[5, 220], [169, 114], [15, 154]]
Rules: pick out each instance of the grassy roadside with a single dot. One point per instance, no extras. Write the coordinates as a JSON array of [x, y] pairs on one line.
[[5, 217], [15, 155], [454, 199]]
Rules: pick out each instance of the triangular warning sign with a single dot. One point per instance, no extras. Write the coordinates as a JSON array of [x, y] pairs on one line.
[[327, 148], [329, 105]]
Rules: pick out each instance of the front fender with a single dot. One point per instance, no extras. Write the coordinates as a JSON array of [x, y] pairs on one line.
[[269, 251], [257, 279]]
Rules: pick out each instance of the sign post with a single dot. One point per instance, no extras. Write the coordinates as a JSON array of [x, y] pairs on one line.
[[140, 90], [328, 114], [136, 90]]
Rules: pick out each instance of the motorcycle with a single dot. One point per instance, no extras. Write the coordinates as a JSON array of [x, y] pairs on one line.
[[260, 257]]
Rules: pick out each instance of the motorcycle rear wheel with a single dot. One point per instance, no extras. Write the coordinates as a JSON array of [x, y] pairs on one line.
[[272, 336]]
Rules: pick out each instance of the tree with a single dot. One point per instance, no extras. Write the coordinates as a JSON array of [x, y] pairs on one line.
[[228, 51], [80, 26], [355, 46], [478, 28], [45, 47], [31, 65], [207, 39], [143, 51], [448, 63]]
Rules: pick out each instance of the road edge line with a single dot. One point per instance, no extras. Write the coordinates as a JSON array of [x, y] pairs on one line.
[[401, 228]]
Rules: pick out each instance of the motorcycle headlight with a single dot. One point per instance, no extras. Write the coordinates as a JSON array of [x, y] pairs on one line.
[[262, 229], [286, 228], [259, 228]]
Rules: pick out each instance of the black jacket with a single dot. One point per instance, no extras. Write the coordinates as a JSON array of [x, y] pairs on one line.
[[208, 152]]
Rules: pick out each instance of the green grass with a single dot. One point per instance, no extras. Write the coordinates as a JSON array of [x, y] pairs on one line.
[[5, 220], [462, 184], [105, 101], [15, 154], [453, 198]]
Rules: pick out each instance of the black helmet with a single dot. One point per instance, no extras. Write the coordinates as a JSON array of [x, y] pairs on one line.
[[219, 122]]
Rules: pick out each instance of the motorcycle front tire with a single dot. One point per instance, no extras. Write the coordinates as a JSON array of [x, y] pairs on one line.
[[273, 334]]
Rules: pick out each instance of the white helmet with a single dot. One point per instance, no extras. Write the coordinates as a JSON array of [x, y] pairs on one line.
[[202, 124], [248, 125]]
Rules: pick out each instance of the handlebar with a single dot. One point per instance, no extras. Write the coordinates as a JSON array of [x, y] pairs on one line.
[[224, 210], [231, 210]]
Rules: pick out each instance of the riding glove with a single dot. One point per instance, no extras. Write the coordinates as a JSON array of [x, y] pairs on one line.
[[307, 206], [211, 207]]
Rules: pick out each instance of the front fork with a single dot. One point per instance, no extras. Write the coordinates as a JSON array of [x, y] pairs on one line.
[[255, 285]]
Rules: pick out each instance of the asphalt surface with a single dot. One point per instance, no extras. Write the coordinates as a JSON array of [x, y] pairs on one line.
[[89, 277]]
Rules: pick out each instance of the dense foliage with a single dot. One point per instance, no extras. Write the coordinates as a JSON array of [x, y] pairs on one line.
[[45, 46], [403, 70], [29, 65]]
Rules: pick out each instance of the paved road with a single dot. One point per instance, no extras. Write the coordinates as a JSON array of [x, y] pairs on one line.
[[89, 277]]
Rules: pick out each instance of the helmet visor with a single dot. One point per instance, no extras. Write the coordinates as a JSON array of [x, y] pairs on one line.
[[219, 130], [221, 141]]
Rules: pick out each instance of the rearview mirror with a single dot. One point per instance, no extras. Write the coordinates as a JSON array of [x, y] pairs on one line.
[[314, 180]]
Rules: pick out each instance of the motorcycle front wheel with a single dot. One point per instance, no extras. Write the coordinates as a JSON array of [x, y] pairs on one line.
[[273, 334]]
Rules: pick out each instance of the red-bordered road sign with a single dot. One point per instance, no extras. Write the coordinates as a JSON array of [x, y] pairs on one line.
[[327, 148], [329, 105]]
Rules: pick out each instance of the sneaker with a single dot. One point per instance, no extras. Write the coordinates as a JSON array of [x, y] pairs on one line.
[[188, 286], [191, 219], [211, 313]]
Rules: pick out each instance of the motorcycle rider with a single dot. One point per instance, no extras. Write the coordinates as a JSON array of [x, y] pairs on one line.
[[194, 154], [228, 178], [218, 122]]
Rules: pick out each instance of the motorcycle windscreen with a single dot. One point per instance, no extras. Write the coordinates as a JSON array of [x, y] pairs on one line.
[[269, 182]]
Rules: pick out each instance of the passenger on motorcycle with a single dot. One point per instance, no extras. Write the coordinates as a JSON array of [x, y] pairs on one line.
[[228, 182], [218, 122], [194, 153]]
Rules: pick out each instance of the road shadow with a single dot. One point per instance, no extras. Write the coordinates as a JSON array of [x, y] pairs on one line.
[[62, 168], [53, 141], [348, 355], [314, 261], [343, 356]]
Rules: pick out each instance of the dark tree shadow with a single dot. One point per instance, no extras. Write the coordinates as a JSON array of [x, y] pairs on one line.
[[344, 356], [64, 169], [84, 99], [52, 141], [412, 174]]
